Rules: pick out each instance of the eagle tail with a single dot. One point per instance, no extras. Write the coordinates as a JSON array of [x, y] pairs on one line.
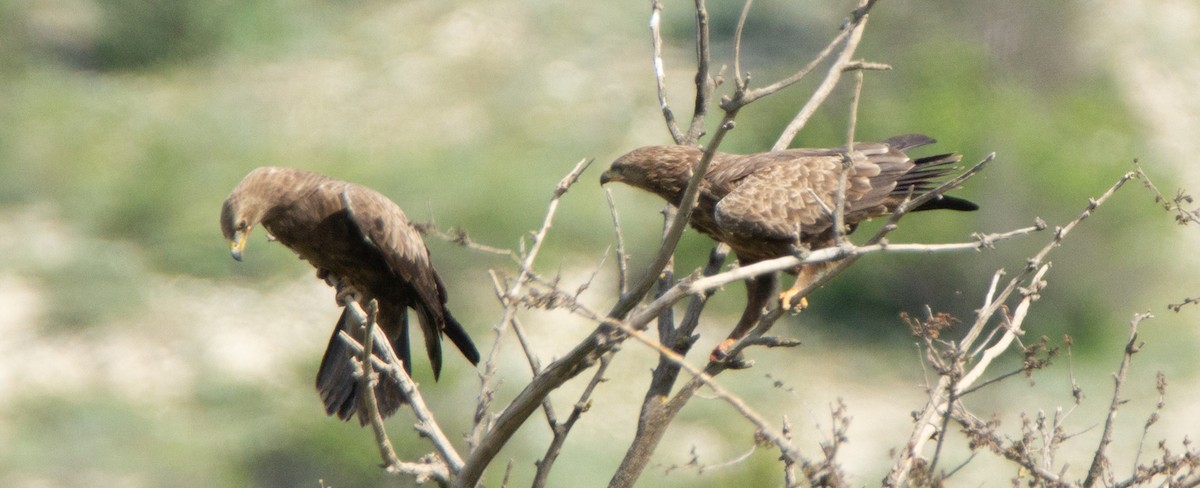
[[458, 335], [339, 388], [433, 338], [435, 323], [925, 176]]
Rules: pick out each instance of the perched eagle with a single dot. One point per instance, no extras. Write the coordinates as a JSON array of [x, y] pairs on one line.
[[774, 204], [369, 250]]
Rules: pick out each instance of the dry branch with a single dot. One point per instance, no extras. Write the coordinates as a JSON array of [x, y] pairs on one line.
[[955, 378], [1100, 460], [449, 461]]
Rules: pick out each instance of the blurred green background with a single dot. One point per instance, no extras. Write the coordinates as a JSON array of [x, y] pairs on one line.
[[137, 353]]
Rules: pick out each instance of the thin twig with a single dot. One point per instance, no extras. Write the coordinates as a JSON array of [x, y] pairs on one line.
[[839, 221], [832, 254], [1031, 275], [826, 87], [562, 430], [427, 424], [1100, 460], [622, 256], [704, 83], [660, 72], [488, 376], [367, 379], [740, 81], [741, 98]]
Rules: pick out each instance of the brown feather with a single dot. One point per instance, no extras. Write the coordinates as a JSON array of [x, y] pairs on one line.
[[767, 205], [372, 248]]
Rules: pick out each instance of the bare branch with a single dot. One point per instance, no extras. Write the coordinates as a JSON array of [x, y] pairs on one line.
[[460, 237], [660, 72], [654, 418], [704, 83], [1100, 460], [740, 82], [741, 98], [622, 256], [427, 424], [827, 85], [705, 378], [562, 430], [367, 379], [1176, 204], [488, 376], [839, 216], [844, 252], [1031, 276]]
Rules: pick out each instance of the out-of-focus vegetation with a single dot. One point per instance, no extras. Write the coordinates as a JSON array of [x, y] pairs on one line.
[[124, 123]]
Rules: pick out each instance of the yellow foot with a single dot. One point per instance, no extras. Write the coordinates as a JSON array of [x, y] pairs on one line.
[[790, 302], [721, 354], [722, 350]]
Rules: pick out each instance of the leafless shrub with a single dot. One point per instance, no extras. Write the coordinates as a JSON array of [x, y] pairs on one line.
[[962, 366]]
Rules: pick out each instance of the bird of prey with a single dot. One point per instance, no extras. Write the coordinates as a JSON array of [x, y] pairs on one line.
[[361, 243], [780, 203]]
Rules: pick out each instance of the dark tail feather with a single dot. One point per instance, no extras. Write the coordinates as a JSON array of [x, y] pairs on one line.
[[433, 339], [453, 330], [458, 335], [339, 388], [948, 203], [925, 177]]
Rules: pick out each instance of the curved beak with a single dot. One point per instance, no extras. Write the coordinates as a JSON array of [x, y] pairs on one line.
[[238, 244], [608, 176]]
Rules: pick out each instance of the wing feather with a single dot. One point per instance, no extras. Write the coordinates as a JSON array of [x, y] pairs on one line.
[[383, 223], [778, 201]]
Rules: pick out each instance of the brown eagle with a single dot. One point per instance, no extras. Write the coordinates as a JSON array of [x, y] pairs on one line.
[[775, 204], [370, 250]]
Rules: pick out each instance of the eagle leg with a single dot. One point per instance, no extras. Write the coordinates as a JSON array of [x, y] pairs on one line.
[[805, 275], [791, 299], [346, 290], [758, 293]]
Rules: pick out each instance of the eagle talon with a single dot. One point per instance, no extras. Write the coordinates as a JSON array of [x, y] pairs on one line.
[[720, 354], [789, 301]]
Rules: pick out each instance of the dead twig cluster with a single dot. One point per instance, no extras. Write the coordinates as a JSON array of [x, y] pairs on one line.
[[960, 366]]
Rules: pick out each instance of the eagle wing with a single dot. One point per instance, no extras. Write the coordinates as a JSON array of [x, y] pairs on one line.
[[385, 227], [789, 197]]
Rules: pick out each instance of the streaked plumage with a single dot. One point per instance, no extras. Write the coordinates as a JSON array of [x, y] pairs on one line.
[[766, 206], [373, 251]]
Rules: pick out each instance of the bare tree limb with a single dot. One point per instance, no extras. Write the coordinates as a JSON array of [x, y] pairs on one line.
[[740, 81], [427, 424], [488, 376], [660, 72], [1100, 460], [742, 98], [704, 82], [562, 430], [367, 379], [622, 256], [827, 85], [1031, 276]]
